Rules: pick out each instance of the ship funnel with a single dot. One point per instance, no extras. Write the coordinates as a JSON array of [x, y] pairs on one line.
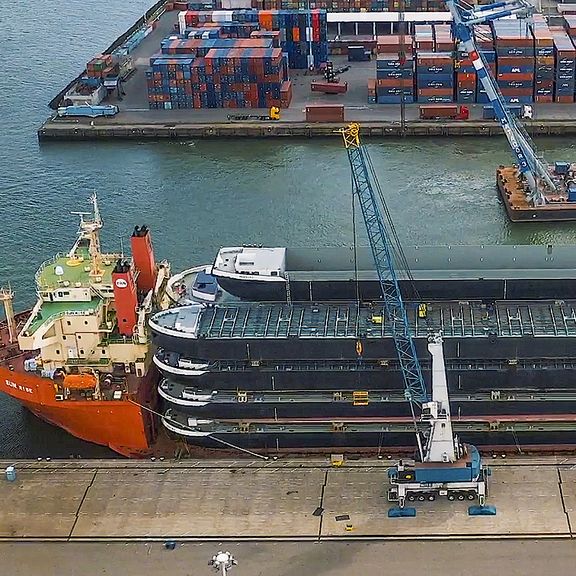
[[125, 297], [143, 258]]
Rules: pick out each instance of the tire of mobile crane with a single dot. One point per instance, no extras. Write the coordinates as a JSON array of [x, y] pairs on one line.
[[471, 495], [481, 500], [461, 496], [411, 497], [451, 496], [421, 497], [431, 497]]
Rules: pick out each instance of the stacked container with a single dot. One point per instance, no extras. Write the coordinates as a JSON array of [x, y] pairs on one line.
[[224, 78], [434, 70], [101, 66], [544, 60], [351, 5], [464, 79], [515, 60], [201, 47], [565, 66], [170, 83], [435, 77], [245, 78], [303, 34], [394, 70]]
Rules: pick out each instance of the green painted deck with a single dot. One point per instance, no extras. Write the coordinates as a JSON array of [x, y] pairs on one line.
[[74, 271], [51, 310]]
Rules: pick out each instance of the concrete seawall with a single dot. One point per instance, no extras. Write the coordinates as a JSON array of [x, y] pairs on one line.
[[101, 129]]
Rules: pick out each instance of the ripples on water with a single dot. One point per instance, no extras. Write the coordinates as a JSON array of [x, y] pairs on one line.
[[197, 196]]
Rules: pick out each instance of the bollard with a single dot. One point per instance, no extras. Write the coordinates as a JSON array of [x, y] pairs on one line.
[[10, 473]]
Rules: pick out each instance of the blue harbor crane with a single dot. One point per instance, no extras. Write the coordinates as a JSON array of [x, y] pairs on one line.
[[445, 466], [542, 182]]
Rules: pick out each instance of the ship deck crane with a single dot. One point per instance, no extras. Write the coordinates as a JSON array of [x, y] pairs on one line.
[[540, 179], [446, 467]]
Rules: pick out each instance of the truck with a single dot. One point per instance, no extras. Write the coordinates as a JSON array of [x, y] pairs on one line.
[[86, 110], [273, 114], [444, 112], [518, 111]]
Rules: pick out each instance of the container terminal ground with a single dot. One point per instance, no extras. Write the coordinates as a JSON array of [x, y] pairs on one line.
[[136, 121], [274, 500]]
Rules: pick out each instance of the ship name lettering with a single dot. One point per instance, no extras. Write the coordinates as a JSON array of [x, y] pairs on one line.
[[11, 384]]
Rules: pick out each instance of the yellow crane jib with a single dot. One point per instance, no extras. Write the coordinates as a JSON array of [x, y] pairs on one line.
[[351, 135]]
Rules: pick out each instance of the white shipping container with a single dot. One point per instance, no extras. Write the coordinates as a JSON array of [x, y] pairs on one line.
[[236, 4]]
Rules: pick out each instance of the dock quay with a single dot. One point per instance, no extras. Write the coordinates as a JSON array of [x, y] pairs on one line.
[[169, 128], [135, 121], [270, 501]]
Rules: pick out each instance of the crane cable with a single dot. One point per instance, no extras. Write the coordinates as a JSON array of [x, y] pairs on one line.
[[399, 256]]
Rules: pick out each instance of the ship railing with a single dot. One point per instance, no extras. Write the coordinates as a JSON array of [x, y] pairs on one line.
[[43, 267], [87, 362], [61, 314], [51, 261]]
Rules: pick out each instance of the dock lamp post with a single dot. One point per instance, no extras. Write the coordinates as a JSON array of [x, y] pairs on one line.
[[222, 562]]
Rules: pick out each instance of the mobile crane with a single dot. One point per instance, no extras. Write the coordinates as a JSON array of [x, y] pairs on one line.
[[445, 466], [541, 182]]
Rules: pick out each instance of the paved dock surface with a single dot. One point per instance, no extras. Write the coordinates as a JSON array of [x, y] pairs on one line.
[[269, 500], [507, 558], [137, 121]]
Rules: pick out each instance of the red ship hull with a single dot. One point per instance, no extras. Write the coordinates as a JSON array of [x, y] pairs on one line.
[[121, 425]]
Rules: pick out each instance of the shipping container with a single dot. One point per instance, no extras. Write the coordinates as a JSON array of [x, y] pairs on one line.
[[325, 113]]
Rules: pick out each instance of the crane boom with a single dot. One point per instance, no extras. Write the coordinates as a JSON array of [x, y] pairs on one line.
[[465, 17], [446, 466], [382, 252]]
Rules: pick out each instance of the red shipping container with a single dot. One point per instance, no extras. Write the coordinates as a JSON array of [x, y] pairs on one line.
[[518, 77], [511, 92], [435, 92]]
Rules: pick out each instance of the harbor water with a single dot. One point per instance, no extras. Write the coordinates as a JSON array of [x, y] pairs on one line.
[[197, 196]]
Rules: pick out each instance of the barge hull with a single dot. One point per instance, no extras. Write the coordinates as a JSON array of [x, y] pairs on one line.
[[376, 441], [520, 210]]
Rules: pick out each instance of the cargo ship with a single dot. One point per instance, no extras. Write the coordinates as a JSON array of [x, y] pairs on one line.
[[80, 359], [280, 374], [502, 272], [112, 341]]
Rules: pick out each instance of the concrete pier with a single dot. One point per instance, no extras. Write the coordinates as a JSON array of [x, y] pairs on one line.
[[281, 500]]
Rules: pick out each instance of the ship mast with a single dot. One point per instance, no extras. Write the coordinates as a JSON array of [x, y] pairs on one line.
[[89, 229], [7, 296]]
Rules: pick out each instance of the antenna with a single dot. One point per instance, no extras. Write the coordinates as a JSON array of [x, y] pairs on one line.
[[97, 218]]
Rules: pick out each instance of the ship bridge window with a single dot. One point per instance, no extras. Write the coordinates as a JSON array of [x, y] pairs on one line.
[[273, 273], [246, 263]]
